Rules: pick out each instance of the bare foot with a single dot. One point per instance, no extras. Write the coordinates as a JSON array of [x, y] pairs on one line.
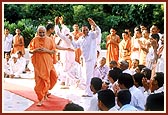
[[46, 97], [40, 103], [48, 94]]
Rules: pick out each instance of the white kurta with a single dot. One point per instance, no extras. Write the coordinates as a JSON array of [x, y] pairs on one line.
[[101, 72], [66, 57], [94, 103], [160, 63], [113, 109], [15, 68], [137, 99], [8, 43], [135, 54], [23, 63], [7, 66], [128, 107], [150, 58], [98, 42], [88, 47]]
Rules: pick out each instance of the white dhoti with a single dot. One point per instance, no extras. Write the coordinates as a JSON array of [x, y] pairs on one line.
[[89, 67]]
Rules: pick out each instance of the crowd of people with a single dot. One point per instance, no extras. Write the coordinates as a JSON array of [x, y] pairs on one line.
[[133, 68]]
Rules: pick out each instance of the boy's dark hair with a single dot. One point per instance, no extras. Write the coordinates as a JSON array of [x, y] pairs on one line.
[[124, 96], [141, 67], [147, 72], [138, 78], [126, 79], [159, 78], [73, 107], [136, 60], [125, 32], [49, 26], [96, 83], [114, 28], [115, 73], [6, 28], [156, 37], [107, 97], [143, 24]]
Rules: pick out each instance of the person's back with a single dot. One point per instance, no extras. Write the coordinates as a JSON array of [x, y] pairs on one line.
[[138, 99], [126, 81], [124, 99], [155, 102], [96, 85]]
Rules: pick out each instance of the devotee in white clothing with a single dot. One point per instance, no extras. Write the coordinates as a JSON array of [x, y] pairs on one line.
[[87, 44], [7, 61], [98, 39], [22, 60], [66, 57], [124, 99], [106, 100], [8, 38], [95, 85], [101, 70], [135, 47], [15, 67], [161, 53], [126, 81]]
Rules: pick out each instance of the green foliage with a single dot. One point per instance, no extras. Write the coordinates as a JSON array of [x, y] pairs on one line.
[[103, 41], [26, 27], [12, 12], [120, 16], [158, 17]]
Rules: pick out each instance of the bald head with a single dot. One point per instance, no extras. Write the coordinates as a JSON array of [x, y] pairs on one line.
[[76, 27], [41, 30]]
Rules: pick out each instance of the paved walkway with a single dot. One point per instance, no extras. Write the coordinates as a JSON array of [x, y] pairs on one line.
[[16, 103]]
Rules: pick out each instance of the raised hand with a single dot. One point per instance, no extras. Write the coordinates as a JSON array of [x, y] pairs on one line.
[[91, 22], [61, 20], [145, 83], [57, 20]]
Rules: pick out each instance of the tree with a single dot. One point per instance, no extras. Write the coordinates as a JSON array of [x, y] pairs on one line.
[[119, 16]]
